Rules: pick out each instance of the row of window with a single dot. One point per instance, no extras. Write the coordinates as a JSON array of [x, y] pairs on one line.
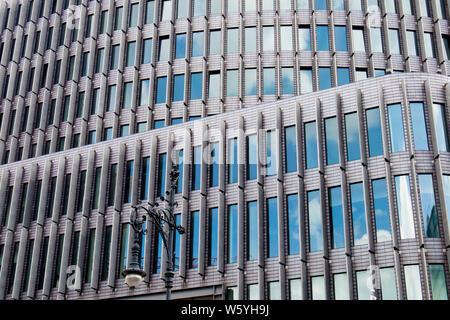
[[387, 288]]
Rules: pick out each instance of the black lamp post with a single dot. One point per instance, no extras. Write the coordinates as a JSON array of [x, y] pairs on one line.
[[165, 224]]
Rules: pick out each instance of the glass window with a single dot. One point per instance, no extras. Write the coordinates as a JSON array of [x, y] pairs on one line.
[[322, 38], [446, 46], [293, 224], [178, 87], [361, 74], [157, 253], [429, 48], [440, 124], [127, 95], [274, 290], [404, 207], [194, 247], [390, 7], [233, 40], [232, 160], [161, 84], [311, 145], [85, 64], [412, 281], [320, 4], [394, 41], [318, 288], [315, 221], [286, 38], [358, 214], [340, 281], [374, 132], [250, 39], [331, 141], [106, 252], [123, 253], [162, 175], [268, 38], [112, 185], [267, 5], [147, 51], [163, 49], [110, 101], [337, 218], [352, 134], [271, 153], [355, 5], [214, 42], [232, 83], [338, 5], [42, 264], [381, 210], [252, 231], [438, 282], [213, 236], [214, 165], [388, 284], [302, 4], [97, 180], [145, 176], [99, 62], [376, 40], [118, 18], [180, 45], [250, 5], [250, 82], [196, 85], [134, 9], [295, 289], [291, 148], [231, 293], [199, 7], [214, 84], [166, 10], [182, 8], [252, 156], [107, 134], [103, 22], [216, 6], [343, 76], [363, 284], [324, 78], [287, 80], [304, 38], [396, 128], [232, 240], [90, 256], [128, 181], [358, 40], [406, 4], [176, 244], [411, 42], [424, 8], [144, 92], [340, 36], [124, 130], [196, 168], [114, 57], [440, 9], [429, 211], [419, 126], [272, 234], [269, 81], [306, 80], [233, 5]]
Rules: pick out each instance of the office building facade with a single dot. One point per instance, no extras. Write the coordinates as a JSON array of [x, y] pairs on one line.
[[311, 139]]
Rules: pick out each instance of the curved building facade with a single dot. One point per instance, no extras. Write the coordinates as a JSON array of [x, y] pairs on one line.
[[312, 139]]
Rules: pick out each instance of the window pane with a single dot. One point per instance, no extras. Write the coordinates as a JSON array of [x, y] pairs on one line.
[[320, 5], [324, 78], [429, 211], [337, 220], [149, 11], [388, 284], [233, 40], [250, 39], [267, 4], [182, 8], [268, 39], [318, 288], [381, 210], [358, 214], [341, 286], [271, 153], [199, 7], [311, 145], [362, 281], [394, 41], [352, 134], [272, 218], [340, 36], [374, 132], [232, 83], [252, 157], [424, 9], [114, 57], [331, 141], [216, 6], [411, 41], [197, 44], [396, 128], [134, 9], [404, 207], [196, 168], [355, 5], [287, 80], [147, 51], [232, 233], [412, 281], [118, 18], [99, 62], [111, 98], [213, 235], [195, 228], [127, 93], [123, 249], [166, 10], [338, 5], [145, 90], [214, 84], [322, 38], [315, 221], [274, 290], [293, 224], [291, 149], [304, 38], [233, 5], [295, 289], [250, 82], [269, 81], [446, 46], [145, 176], [196, 85], [252, 232], [162, 175], [164, 49], [429, 48], [232, 160], [438, 282], [306, 80], [178, 87], [440, 126], [302, 4], [358, 40], [375, 37], [214, 165], [214, 42], [361, 74], [161, 84], [180, 51], [286, 38], [250, 5]]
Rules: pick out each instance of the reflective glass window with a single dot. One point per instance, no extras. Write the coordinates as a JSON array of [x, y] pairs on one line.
[[396, 128], [440, 124], [429, 47], [178, 87], [438, 282], [197, 44], [287, 80], [428, 203], [182, 8], [233, 40], [404, 207], [134, 9], [286, 38], [196, 85], [232, 221], [306, 80], [293, 224], [127, 94], [144, 92], [162, 175], [163, 49], [272, 219], [302, 4], [320, 4], [381, 210], [213, 236], [232, 83], [252, 156], [388, 284], [216, 6], [199, 7], [411, 42], [336, 217], [147, 51], [358, 40], [149, 11], [358, 214], [250, 39], [268, 38], [252, 232], [376, 39], [269, 81], [352, 135], [340, 281], [166, 9], [324, 78], [295, 289], [412, 281], [315, 221], [214, 165], [271, 152], [311, 145], [304, 38], [394, 41], [161, 86], [214, 84], [194, 243], [196, 167], [318, 288], [251, 84], [407, 8], [331, 140], [274, 290], [232, 160], [214, 42], [374, 132], [180, 46], [340, 37], [291, 148], [322, 38], [363, 285]]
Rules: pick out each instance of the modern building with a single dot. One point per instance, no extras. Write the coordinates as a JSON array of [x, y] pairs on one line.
[[311, 138]]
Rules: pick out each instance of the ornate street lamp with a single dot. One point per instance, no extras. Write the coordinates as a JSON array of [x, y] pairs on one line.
[[165, 224]]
